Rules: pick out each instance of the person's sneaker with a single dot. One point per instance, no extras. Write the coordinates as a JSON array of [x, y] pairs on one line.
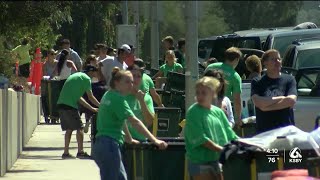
[[86, 127], [67, 156], [83, 155]]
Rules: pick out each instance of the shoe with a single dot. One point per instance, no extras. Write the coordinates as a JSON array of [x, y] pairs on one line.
[[83, 155], [67, 156], [86, 127]]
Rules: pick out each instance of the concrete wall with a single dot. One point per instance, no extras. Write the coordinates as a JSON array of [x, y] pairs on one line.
[[19, 116]]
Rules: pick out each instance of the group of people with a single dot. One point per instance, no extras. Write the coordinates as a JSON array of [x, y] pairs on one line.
[[125, 108]]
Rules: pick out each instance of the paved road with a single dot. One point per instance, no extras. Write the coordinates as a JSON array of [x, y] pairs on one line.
[[41, 159]]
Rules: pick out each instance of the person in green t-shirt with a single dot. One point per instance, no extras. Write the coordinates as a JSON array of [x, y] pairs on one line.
[[71, 94], [114, 111], [21, 53], [206, 131], [147, 85], [140, 103], [171, 65], [233, 88]]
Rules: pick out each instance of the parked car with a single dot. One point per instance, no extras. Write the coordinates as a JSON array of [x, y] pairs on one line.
[[302, 53], [307, 106], [281, 40]]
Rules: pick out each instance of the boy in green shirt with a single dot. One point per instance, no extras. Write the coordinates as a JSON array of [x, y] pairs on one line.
[[206, 131], [233, 87], [72, 91]]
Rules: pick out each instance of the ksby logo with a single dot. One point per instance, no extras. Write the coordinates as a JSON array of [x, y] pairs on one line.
[[295, 155]]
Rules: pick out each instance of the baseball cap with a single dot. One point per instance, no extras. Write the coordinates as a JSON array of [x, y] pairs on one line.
[[89, 68], [126, 47]]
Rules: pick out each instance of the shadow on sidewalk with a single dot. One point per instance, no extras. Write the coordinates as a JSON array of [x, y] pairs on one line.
[[44, 157], [24, 171], [46, 148]]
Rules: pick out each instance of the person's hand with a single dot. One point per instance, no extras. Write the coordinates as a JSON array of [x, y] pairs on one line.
[[161, 105], [140, 95], [239, 123], [135, 142], [161, 144], [95, 110]]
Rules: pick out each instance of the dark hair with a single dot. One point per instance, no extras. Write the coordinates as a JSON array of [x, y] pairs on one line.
[[232, 54], [136, 67], [267, 54], [90, 58], [92, 52], [65, 41], [25, 41], [219, 75], [63, 57], [211, 60], [110, 50], [181, 43], [117, 75], [139, 62]]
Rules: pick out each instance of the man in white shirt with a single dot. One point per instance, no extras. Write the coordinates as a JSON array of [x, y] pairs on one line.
[[102, 49], [108, 64], [65, 44]]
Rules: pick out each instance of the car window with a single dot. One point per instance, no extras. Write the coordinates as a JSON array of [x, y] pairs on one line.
[[281, 43], [308, 84], [308, 58]]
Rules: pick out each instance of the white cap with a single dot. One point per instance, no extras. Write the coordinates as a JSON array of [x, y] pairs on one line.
[[126, 47]]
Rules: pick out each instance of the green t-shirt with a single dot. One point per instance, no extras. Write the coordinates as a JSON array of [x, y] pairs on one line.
[[74, 88], [202, 125], [166, 68], [23, 53], [146, 83], [137, 111], [113, 113], [231, 76]]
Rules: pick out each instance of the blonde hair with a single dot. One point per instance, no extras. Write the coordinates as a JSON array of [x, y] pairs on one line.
[[171, 52], [117, 75], [209, 82]]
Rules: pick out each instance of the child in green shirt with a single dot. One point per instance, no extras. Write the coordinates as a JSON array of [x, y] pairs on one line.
[[113, 113], [206, 131]]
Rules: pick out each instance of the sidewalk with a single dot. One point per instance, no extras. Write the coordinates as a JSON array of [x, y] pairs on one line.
[[41, 159]]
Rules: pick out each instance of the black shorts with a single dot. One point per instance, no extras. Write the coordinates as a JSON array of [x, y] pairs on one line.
[[70, 119], [24, 70]]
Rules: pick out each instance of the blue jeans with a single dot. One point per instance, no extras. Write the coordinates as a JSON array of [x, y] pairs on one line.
[[107, 155]]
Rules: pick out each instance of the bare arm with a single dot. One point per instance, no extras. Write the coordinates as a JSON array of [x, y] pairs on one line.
[[127, 137], [212, 146], [93, 99], [147, 115], [262, 102], [84, 103], [286, 102], [237, 106], [158, 74], [156, 97], [72, 65]]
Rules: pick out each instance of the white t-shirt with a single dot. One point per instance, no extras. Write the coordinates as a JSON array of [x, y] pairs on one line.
[[107, 66], [227, 103]]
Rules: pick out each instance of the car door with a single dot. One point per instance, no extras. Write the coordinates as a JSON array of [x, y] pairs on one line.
[[307, 106]]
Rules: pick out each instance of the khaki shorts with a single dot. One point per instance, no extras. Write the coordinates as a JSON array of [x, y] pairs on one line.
[[70, 119]]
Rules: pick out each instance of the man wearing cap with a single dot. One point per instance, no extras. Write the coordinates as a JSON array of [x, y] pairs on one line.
[[108, 64], [131, 57], [71, 94]]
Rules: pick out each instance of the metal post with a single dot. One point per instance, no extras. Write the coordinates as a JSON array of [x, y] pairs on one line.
[[192, 71], [136, 22], [124, 12], [154, 35]]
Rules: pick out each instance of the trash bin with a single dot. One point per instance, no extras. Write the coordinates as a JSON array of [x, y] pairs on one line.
[[167, 121], [313, 165], [246, 130], [155, 164], [255, 164], [50, 92]]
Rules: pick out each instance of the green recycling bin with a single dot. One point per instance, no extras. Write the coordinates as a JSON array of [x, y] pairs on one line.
[[313, 164], [246, 130], [167, 121], [250, 166], [149, 163]]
